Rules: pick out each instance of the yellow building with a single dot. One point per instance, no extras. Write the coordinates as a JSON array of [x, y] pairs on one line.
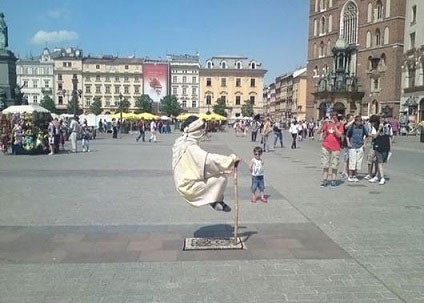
[[67, 76], [234, 79], [110, 78], [299, 94]]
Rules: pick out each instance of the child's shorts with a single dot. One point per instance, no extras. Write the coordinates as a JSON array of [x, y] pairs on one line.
[[258, 183]]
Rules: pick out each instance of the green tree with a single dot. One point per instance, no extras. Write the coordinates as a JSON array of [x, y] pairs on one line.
[[48, 104], [144, 104], [247, 109], [96, 106], [220, 107], [170, 106], [123, 106], [73, 106], [3, 100]]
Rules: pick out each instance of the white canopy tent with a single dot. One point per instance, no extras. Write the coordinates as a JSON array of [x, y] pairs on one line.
[[19, 109]]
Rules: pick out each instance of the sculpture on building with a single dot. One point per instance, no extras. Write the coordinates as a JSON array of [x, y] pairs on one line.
[[3, 33]]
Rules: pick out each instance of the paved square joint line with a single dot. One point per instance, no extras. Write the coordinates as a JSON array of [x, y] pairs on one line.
[[213, 244]]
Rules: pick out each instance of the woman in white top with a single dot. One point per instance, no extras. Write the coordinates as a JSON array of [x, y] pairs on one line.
[[294, 131]]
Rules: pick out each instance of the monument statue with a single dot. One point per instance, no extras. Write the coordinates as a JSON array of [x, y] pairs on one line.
[[3, 33]]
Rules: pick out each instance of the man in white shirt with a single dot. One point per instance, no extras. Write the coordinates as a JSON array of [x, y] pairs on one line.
[[152, 131], [75, 129]]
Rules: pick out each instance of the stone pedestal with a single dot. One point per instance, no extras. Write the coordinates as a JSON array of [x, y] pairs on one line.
[[8, 77]]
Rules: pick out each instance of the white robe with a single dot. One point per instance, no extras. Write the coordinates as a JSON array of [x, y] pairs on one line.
[[200, 177]]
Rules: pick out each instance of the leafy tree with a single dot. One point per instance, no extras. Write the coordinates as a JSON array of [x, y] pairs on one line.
[[48, 104], [123, 106], [220, 107], [73, 106], [170, 106], [96, 106], [144, 104], [247, 109], [3, 100]]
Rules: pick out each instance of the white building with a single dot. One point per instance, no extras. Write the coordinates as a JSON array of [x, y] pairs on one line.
[[185, 80], [36, 77], [412, 101]]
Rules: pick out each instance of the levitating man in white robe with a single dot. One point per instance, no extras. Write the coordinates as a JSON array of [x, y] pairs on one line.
[[200, 177]]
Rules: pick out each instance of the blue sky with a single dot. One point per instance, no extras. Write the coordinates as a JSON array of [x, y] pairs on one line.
[[271, 31]]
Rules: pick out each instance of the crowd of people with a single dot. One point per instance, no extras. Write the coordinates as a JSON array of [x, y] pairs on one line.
[[346, 141]]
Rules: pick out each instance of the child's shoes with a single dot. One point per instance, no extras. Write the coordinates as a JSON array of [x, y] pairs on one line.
[[263, 199], [253, 200]]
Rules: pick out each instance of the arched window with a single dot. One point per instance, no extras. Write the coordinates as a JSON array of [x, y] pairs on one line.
[[383, 61], [321, 49], [379, 11], [377, 37], [209, 64], [314, 54], [369, 19], [349, 22], [315, 27], [315, 74], [238, 65], [223, 64], [322, 26], [330, 23], [330, 3], [316, 5], [322, 5], [368, 43], [325, 69], [329, 48], [386, 35], [253, 65], [388, 8], [369, 63]]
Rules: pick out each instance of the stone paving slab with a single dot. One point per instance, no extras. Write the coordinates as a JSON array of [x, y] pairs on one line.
[[109, 244], [235, 281]]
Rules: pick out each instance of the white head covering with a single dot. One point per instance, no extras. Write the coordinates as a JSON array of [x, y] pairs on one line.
[[192, 134]]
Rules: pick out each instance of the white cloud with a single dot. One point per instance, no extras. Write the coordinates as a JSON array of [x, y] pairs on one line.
[[42, 37], [59, 13]]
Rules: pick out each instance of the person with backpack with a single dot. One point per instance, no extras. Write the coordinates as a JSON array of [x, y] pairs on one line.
[[356, 139]]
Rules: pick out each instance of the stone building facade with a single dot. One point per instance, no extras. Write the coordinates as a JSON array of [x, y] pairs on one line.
[[234, 79], [67, 74], [185, 81], [285, 99], [373, 33], [35, 77], [412, 102], [111, 79]]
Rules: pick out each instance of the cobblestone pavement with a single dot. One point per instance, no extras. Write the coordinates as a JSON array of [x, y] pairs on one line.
[[108, 226]]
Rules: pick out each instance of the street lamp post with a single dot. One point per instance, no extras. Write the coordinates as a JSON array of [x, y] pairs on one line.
[[120, 109]]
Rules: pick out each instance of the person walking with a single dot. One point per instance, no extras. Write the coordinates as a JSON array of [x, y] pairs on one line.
[[114, 129], [153, 129], [51, 133], [330, 152], [257, 170], [278, 134], [382, 134], [142, 130], [85, 138], [75, 129], [266, 131], [356, 139], [294, 131], [255, 128], [101, 126]]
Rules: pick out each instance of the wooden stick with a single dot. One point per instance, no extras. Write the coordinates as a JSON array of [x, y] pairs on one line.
[[236, 211]]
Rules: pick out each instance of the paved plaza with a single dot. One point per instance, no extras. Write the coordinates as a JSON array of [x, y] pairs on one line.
[[108, 226]]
